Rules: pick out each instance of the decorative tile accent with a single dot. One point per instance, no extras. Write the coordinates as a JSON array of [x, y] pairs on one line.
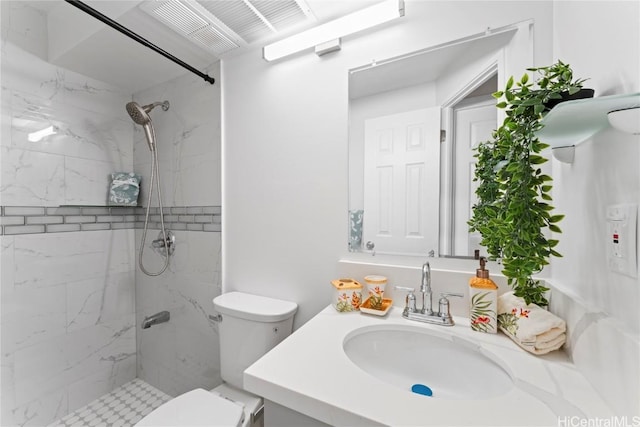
[[60, 228], [94, 227], [17, 210], [44, 219], [79, 219], [23, 229], [34, 220], [12, 220], [124, 407]]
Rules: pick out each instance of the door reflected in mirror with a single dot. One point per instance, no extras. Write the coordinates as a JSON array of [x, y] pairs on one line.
[[401, 163], [413, 123]]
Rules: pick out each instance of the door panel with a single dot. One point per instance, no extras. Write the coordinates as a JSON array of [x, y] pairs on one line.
[[402, 153], [473, 125]]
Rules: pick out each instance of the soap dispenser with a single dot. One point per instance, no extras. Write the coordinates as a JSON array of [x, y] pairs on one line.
[[483, 298]]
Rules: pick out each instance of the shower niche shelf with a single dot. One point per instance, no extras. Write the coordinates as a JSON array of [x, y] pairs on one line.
[[572, 122], [98, 206], [105, 208]]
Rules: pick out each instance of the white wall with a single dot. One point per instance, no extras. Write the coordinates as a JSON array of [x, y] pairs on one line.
[[285, 169], [605, 171], [285, 147], [601, 42]]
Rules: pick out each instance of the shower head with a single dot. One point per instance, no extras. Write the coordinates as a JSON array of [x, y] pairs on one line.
[[138, 113], [140, 116]]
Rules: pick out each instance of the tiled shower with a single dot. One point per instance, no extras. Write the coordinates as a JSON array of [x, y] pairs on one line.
[[72, 298]]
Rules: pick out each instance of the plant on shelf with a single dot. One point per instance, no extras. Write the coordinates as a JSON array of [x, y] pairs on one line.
[[513, 211]]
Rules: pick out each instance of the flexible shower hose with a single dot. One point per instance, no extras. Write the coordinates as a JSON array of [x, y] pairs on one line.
[[155, 176]]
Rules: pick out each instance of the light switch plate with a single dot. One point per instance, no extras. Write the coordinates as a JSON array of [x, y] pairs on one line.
[[622, 239]]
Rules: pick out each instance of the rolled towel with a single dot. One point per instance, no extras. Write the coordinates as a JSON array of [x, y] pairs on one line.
[[124, 190], [531, 327]]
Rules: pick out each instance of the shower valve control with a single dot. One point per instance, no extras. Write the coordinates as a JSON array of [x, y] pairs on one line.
[[162, 246]]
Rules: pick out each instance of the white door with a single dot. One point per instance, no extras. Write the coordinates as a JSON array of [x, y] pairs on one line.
[[401, 182], [473, 124]]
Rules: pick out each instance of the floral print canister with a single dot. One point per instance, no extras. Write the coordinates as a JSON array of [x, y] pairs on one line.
[[347, 295], [375, 290], [483, 297]]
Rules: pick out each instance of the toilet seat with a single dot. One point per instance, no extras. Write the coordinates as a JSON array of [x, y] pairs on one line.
[[197, 407]]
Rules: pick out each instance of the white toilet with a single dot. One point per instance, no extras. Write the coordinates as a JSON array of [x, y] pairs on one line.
[[250, 326]]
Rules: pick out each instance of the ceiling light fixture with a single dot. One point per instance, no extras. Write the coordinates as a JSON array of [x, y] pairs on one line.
[[348, 24]]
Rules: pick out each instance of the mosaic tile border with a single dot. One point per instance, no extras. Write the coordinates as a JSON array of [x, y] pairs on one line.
[[44, 219]]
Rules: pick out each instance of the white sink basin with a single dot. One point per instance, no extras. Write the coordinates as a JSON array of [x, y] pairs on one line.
[[449, 367]]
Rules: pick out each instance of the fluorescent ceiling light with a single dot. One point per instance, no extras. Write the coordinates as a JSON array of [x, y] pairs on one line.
[[38, 135], [349, 24]]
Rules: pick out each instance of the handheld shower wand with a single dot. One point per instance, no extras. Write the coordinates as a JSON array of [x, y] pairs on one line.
[[140, 115]]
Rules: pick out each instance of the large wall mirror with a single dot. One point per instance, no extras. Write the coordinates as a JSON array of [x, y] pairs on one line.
[[413, 123]]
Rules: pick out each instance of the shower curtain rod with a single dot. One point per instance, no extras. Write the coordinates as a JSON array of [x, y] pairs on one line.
[[127, 32]]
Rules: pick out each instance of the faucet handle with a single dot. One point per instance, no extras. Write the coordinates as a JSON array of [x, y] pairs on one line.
[[443, 304], [451, 294], [410, 301]]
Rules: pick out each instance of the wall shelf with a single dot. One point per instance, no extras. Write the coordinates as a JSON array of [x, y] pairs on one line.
[[572, 122]]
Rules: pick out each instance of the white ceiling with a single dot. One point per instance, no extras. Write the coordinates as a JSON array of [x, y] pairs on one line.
[[83, 44], [422, 67]]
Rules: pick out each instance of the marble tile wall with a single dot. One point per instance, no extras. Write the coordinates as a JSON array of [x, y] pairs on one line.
[[67, 305], [92, 134], [182, 354], [68, 322], [71, 300], [188, 140]]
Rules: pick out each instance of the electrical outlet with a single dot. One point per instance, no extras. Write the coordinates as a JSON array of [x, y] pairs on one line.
[[622, 239]]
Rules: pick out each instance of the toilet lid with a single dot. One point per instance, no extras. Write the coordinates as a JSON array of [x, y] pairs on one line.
[[254, 307], [195, 408]]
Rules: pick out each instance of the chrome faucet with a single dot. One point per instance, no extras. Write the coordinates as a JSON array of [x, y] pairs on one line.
[[426, 313], [160, 317], [425, 289]]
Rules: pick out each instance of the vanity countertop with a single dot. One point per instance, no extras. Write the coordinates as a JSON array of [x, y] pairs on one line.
[[309, 372]]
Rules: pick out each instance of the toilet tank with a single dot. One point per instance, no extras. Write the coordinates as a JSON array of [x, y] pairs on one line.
[[251, 325]]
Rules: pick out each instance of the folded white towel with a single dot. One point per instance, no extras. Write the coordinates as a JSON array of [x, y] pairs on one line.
[[531, 327]]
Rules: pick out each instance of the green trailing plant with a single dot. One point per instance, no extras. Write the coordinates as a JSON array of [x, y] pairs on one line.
[[514, 211]]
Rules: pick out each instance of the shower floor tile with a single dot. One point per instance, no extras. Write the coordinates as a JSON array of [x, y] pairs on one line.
[[123, 407]]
